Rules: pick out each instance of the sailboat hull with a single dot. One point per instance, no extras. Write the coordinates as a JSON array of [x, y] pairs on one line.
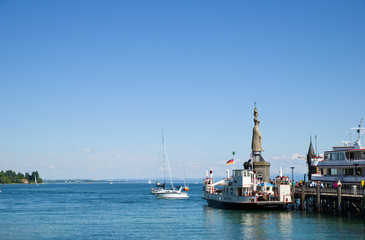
[[172, 195]]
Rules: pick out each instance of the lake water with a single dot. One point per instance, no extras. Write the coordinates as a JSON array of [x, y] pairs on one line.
[[129, 211]]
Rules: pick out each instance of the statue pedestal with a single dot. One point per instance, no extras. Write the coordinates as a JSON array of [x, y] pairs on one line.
[[262, 169]]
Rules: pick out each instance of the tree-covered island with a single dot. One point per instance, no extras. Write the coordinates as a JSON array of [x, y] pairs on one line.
[[11, 177]]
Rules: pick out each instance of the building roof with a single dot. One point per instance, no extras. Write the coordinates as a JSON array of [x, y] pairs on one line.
[[310, 150]]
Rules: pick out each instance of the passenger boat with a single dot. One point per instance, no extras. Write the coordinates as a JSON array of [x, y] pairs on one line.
[[243, 190], [343, 163], [249, 187]]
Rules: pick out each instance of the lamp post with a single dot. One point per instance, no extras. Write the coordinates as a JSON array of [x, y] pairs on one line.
[[305, 176], [292, 174], [356, 164]]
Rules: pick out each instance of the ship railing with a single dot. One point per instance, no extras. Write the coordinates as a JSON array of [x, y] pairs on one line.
[[357, 160]]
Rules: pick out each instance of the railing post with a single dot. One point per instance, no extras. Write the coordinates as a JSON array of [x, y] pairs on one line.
[[339, 208], [318, 198]]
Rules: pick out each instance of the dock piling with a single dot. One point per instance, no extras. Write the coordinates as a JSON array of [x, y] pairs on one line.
[[293, 195], [302, 199], [339, 208], [318, 205]]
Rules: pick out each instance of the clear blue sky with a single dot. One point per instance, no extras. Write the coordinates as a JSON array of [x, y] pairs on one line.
[[86, 87]]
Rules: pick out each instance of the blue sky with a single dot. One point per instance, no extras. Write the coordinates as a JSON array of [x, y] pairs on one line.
[[86, 87]]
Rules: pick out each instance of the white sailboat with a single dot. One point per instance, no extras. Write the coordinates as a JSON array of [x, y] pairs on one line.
[[35, 181], [161, 191]]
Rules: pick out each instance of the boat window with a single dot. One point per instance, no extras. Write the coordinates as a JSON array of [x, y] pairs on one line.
[[337, 156], [332, 171], [349, 171], [245, 174], [231, 190], [358, 171]]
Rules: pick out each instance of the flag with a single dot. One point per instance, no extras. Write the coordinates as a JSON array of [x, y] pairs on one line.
[[229, 162]]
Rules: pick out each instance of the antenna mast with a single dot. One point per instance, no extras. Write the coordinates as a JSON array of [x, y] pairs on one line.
[[359, 129]]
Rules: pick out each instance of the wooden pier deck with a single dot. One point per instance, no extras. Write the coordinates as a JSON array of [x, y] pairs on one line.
[[338, 201]]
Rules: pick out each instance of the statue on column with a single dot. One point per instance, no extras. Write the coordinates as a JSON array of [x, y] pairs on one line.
[[256, 136]]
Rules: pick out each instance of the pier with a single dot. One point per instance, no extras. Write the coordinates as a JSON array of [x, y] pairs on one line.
[[334, 201]]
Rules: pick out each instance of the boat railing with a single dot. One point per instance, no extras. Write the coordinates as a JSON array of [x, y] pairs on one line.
[[357, 160]]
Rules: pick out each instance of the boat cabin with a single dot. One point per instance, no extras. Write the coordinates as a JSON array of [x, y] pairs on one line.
[[344, 164], [240, 184]]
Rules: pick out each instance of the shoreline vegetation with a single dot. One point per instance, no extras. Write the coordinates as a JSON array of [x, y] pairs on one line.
[[10, 177]]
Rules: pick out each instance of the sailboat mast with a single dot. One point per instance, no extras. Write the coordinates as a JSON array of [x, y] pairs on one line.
[[163, 161], [168, 166], [184, 178]]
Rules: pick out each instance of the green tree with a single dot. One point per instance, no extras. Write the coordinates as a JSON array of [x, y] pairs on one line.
[[27, 176], [19, 177], [3, 178], [11, 177]]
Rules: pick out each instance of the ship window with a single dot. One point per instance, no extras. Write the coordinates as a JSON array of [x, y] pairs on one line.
[[349, 171], [245, 174], [333, 171], [337, 156], [231, 190], [358, 171]]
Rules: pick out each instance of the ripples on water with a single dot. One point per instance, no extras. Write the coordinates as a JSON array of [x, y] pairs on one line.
[[129, 211]]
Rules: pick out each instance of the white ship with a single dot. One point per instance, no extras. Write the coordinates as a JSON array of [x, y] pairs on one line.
[[243, 190], [250, 187], [344, 163]]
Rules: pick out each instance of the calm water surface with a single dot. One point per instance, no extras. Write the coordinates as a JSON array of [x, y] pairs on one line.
[[129, 211]]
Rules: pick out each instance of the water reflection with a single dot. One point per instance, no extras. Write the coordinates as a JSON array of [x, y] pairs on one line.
[[252, 224], [285, 224]]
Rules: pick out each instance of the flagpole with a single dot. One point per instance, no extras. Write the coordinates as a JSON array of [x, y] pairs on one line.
[[233, 153]]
